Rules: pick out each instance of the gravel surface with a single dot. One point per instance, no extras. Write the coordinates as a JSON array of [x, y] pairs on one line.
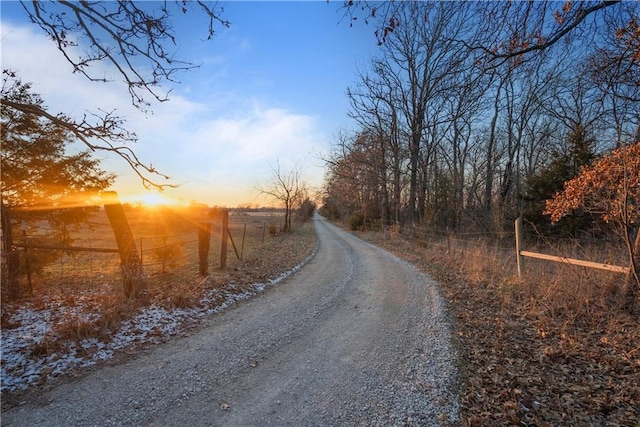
[[356, 337]]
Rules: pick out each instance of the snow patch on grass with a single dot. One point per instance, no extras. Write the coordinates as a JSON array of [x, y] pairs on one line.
[[21, 368]]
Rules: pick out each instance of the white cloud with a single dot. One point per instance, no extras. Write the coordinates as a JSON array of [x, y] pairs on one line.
[[245, 44], [224, 145], [36, 60], [262, 132]]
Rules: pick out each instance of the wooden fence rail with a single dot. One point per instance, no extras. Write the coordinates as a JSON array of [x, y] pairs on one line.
[[66, 248], [571, 261]]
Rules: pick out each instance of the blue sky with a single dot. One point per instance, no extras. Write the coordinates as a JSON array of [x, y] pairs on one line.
[[270, 89]]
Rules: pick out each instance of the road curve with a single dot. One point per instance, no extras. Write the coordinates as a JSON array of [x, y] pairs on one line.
[[357, 337]]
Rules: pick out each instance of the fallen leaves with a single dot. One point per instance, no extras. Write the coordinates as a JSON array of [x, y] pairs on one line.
[[521, 368], [529, 376]]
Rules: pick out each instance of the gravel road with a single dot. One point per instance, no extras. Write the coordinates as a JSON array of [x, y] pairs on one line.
[[357, 337]]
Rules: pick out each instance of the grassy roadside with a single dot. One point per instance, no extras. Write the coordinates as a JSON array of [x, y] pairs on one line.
[[544, 351], [68, 318], [552, 350]]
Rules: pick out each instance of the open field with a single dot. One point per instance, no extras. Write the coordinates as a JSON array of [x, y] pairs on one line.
[[166, 239]]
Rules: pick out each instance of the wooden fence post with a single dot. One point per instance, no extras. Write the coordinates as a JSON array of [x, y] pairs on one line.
[[165, 254], [518, 225], [204, 239], [132, 274], [244, 233], [224, 227], [27, 261]]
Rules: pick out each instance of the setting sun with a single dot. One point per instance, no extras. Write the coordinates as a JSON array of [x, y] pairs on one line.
[[152, 199]]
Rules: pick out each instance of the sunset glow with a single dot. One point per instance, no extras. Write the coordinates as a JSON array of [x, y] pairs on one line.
[[232, 117], [151, 199]]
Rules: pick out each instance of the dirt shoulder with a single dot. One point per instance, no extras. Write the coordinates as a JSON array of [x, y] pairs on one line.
[[522, 367], [65, 333], [357, 337]]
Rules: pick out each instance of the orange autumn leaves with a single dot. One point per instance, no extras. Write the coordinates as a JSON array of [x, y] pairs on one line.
[[610, 187]]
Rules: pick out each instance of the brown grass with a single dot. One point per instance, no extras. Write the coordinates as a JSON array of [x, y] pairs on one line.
[[85, 309], [553, 348]]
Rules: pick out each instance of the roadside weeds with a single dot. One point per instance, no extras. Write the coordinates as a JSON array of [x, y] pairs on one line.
[[547, 350], [62, 330], [542, 351]]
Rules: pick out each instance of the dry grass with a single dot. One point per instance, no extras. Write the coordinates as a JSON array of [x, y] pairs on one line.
[[553, 348], [97, 311]]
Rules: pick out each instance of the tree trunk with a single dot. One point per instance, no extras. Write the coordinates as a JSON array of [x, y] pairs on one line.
[[384, 185], [414, 152], [287, 216], [491, 148], [397, 171], [11, 289], [132, 274], [633, 279]]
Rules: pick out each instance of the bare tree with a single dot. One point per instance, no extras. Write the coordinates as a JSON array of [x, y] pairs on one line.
[[480, 96], [289, 189], [463, 108], [374, 106], [614, 69], [421, 54], [349, 168]]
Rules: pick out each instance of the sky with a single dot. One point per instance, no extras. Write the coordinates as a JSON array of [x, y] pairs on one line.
[[270, 90]]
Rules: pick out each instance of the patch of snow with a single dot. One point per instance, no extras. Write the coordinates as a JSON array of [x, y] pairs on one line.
[[20, 369]]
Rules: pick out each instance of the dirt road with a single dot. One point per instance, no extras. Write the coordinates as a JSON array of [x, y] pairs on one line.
[[356, 337]]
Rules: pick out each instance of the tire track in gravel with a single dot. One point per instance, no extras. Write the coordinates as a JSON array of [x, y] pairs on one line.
[[356, 337]]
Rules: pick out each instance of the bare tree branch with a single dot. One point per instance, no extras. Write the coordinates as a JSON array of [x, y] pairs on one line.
[[121, 33], [106, 135], [136, 39], [514, 17]]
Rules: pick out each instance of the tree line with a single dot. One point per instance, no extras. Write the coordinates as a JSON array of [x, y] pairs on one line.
[[471, 114], [475, 113]]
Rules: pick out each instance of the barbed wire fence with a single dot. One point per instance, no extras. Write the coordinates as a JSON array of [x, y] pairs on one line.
[[85, 257]]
